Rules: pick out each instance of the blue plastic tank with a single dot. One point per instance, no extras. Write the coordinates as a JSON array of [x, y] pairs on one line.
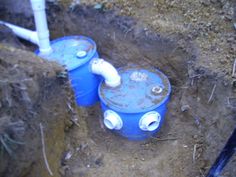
[[75, 53], [137, 107]]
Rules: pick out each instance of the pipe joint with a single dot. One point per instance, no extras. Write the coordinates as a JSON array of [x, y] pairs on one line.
[[112, 120], [105, 69], [150, 121], [44, 34], [41, 36]]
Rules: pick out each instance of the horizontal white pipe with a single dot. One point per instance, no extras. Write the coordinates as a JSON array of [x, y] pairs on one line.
[[150, 121], [41, 36], [40, 19], [23, 33], [112, 120], [105, 69]]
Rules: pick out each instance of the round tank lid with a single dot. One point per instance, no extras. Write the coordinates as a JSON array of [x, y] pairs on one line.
[[72, 51], [141, 90]]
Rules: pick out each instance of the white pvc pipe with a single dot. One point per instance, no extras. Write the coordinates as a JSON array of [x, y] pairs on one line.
[[112, 120], [150, 121], [39, 37], [23, 33], [105, 69], [40, 19]]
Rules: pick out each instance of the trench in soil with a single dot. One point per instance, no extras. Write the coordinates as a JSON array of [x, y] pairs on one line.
[[195, 129]]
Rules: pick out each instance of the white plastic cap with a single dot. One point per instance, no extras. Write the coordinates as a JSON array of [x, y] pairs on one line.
[[150, 121], [81, 54], [112, 120]]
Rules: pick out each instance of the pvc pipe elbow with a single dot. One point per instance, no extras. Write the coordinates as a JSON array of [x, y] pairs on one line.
[[150, 121], [105, 69], [112, 120]]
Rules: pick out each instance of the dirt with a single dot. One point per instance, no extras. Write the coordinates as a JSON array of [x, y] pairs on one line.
[[27, 100], [193, 43]]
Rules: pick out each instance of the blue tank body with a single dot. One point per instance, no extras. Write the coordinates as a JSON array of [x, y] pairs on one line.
[[75, 53], [142, 93]]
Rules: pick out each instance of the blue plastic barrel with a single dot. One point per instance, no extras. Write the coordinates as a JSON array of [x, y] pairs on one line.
[[75, 53], [136, 109]]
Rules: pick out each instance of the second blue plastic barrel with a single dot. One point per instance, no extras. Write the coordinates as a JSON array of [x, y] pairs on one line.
[[75, 53]]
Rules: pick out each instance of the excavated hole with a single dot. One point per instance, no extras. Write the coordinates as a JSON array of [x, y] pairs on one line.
[[192, 119]]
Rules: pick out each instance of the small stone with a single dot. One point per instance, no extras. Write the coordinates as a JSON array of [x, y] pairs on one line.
[[213, 1], [206, 2], [68, 155], [207, 14], [228, 17], [185, 107], [233, 48], [63, 170], [142, 159], [98, 6], [223, 61], [230, 39]]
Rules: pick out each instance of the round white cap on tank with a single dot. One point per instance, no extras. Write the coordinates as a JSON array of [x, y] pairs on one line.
[[81, 54]]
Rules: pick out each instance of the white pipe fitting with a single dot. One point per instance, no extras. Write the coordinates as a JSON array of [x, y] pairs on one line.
[[112, 120], [41, 36], [40, 19], [23, 33], [150, 121], [105, 69]]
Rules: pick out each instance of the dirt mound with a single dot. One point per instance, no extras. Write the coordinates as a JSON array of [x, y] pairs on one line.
[[32, 93]]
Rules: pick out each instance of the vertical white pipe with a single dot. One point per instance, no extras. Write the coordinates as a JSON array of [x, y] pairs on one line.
[[40, 19]]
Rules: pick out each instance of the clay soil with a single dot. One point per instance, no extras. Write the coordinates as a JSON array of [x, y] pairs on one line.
[[193, 43]]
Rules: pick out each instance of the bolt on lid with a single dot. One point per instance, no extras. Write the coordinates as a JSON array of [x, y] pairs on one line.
[[141, 90], [72, 51]]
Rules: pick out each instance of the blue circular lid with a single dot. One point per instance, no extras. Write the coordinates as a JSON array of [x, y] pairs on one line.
[[141, 90], [71, 51]]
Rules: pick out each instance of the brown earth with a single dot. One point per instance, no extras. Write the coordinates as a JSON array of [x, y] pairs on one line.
[[193, 43], [27, 100]]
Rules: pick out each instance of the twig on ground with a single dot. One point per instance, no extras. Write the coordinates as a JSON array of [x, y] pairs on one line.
[[212, 93], [44, 151], [6, 136], [101, 124], [9, 151], [129, 30], [194, 152], [234, 68], [114, 36], [74, 118], [231, 101], [164, 139]]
